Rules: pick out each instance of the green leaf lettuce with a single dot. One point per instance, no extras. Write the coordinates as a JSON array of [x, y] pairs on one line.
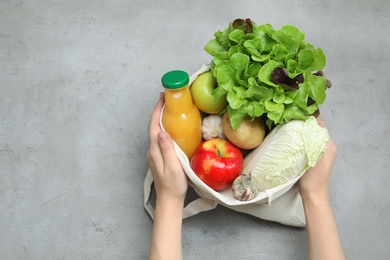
[[244, 58]]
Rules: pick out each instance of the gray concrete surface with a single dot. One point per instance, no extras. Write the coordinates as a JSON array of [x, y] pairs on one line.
[[79, 79]]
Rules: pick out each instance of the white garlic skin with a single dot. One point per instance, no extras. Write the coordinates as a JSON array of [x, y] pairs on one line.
[[212, 127]]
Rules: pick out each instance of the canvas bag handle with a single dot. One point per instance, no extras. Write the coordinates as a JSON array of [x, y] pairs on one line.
[[198, 205]]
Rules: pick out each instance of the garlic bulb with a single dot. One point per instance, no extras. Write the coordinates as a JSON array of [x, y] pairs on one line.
[[212, 127], [243, 189]]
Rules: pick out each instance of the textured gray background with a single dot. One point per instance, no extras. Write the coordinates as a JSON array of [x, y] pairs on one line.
[[79, 80]]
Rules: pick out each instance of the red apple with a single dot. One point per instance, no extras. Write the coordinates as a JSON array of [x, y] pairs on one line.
[[217, 162]]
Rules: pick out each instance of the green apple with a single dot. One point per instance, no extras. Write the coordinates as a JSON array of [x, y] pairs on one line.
[[201, 90]]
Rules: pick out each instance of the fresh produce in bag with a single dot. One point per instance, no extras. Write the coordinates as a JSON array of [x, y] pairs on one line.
[[258, 99], [265, 75]]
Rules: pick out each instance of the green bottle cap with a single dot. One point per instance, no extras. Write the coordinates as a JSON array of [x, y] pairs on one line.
[[175, 79]]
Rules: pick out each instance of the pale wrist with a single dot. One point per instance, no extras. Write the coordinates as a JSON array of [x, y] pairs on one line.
[[170, 203], [315, 199], [318, 194]]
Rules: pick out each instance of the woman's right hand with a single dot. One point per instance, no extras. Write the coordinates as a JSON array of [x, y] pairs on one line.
[[315, 182]]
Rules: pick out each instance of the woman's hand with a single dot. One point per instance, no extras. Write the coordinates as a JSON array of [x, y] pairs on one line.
[[169, 178], [315, 182], [171, 187]]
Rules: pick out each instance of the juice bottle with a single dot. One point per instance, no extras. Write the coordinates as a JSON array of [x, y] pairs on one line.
[[181, 118]]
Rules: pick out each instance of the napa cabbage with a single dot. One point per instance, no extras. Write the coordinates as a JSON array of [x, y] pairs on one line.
[[286, 153]]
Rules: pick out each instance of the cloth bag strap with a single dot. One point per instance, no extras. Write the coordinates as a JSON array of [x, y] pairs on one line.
[[198, 205]]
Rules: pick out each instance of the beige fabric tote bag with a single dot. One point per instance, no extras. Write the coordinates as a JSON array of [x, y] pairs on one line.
[[282, 204]]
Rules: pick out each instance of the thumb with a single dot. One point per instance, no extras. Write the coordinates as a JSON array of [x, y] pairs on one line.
[[166, 146]]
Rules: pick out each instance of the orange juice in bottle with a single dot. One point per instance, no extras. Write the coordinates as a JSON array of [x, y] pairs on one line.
[[181, 118]]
